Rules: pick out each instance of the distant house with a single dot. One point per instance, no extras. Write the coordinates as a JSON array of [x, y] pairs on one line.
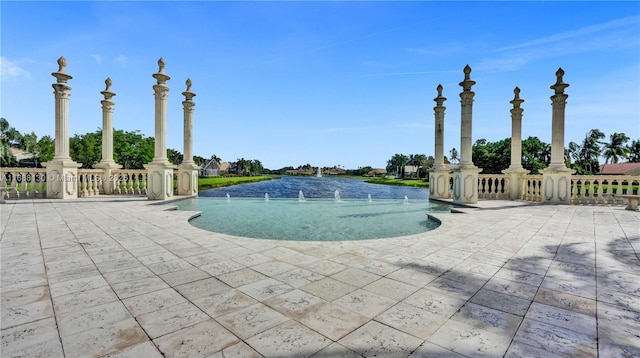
[[377, 172], [214, 168], [334, 171], [308, 171], [620, 169], [22, 158], [410, 171]]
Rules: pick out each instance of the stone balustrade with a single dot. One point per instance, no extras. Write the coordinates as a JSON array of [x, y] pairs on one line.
[[602, 190], [493, 186], [90, 182], [531, 188], [22, 183], [129, 181]]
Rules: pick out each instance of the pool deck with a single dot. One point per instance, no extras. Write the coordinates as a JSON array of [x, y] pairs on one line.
[[118, 277]]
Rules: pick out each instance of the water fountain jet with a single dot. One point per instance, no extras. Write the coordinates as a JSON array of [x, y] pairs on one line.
[[300, 196]]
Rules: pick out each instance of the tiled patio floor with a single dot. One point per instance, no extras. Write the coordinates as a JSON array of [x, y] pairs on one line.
[[96, 277]]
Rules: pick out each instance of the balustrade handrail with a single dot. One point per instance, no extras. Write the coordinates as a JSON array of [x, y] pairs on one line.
[[17, 182]]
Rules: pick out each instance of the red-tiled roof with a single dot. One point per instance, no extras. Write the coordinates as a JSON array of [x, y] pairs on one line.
[[619, 168]]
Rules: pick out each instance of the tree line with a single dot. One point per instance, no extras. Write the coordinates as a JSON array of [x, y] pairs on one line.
[[493, 157], [131, 149]]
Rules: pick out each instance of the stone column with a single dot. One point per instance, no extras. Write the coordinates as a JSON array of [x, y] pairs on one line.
[[515, 170], [160, 170], [62, 172], [188, 170], [439, 174], [107, 164], [556, 179], [465, 177]]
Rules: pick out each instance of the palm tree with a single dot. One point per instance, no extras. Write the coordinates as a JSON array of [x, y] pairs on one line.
[[397, 162], [9, 137], [634, 151], [591, 150], [454, 155], [616, 148]]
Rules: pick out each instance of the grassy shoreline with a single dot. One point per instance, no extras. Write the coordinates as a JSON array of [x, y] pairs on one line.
[[400, 182], [220, 182]]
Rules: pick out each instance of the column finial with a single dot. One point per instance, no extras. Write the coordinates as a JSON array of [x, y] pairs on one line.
[[468, 82], [188, 94], [107, 91], [440, 99], [516, 101], [161, 77], [61, 75], [559, 86]]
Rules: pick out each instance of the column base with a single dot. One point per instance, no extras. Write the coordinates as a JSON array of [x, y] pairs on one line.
[[465, 185], [159, 181], [62, 178], [107, 177], [556, 185], [188, 179], [439, 187], [515, 188]]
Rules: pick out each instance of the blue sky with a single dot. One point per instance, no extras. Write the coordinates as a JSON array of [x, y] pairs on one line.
[[325, 83]]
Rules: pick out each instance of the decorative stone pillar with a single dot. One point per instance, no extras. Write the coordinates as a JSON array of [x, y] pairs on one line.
[[107, 164], [556, 179], [160, 170], [188, 170], [465, 177], [439, 174], [515, 170], [62, 172]]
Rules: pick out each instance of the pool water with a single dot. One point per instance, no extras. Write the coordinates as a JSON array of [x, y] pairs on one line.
[[363, 211]]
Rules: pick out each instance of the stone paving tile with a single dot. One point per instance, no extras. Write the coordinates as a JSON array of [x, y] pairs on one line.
[[170, 319], [488, 319], [238, 350], [298, 277], [184, 276], [289, 339], [566, 301], [585, 324], [501, 301], [470, 341], [265, 288], [35, 339], [252, 259], [391, 288], [463, 290], [146, 349], [251, 320], [221, 267], [522, 350], [272, 268], [202, 339], [138, 273], [356, 277], [324, 267], [223, 303], [336, 350], [294, 304], [435, 302], [555, 339], [328, 288], [412, 320], [104, 339], [412, 276], [332, 320], [511, 288], [377, 340], [153, 301], [168, 266], [201, 288], [92, 317], [138, 287], [241, 277], [365, 302], [430, 350]]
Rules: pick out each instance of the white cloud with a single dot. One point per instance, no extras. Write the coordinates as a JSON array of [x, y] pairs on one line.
[[98, 58], [11, 69], [122, 60]]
